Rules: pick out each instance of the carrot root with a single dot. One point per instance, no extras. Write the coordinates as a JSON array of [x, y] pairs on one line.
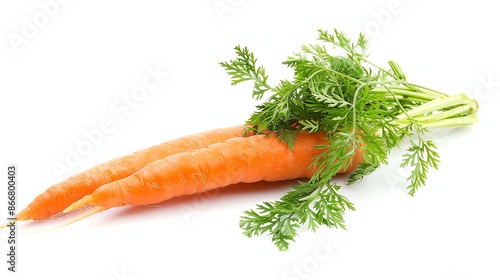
[[59, 196], [80, 217], [237, 160], [7, 224]]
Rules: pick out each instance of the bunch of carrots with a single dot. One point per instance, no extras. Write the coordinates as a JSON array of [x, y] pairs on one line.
[[340, 113]]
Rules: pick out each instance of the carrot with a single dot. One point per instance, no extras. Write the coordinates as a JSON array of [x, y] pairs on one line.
[[247, 160], [61, 195]]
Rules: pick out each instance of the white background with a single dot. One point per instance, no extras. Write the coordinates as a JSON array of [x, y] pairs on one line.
[[80, 60]]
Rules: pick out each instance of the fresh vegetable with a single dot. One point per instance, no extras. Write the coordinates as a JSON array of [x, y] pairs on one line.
[[340, 113], [358, 105], [237, 160], [61, 195]]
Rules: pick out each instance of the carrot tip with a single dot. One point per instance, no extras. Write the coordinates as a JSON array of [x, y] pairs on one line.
[[7, 224], [84, 215], [78, 204]]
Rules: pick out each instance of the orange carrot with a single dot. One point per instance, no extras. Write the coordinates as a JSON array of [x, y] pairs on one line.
[[250, 159], [61, 195]]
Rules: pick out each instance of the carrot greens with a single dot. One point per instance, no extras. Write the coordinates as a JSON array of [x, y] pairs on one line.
[[359, 105]]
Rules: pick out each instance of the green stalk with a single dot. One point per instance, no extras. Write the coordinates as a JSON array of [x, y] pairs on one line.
[[458, 111], [437, 104], [404, 93], [437, 109], [453, 110], [458, 121], [426, 89]]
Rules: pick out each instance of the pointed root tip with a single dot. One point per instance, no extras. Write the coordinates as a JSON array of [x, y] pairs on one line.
[[25, 214], [11, 221], [78, 204], [80, 217], [7, 224]]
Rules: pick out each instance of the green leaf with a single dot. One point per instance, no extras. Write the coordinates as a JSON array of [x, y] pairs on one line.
[[288, 137], [244, 68], [364, 169], [421, 156]]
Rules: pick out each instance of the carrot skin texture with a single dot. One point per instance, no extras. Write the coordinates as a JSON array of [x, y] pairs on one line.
[[59, 196], [237, 160]]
